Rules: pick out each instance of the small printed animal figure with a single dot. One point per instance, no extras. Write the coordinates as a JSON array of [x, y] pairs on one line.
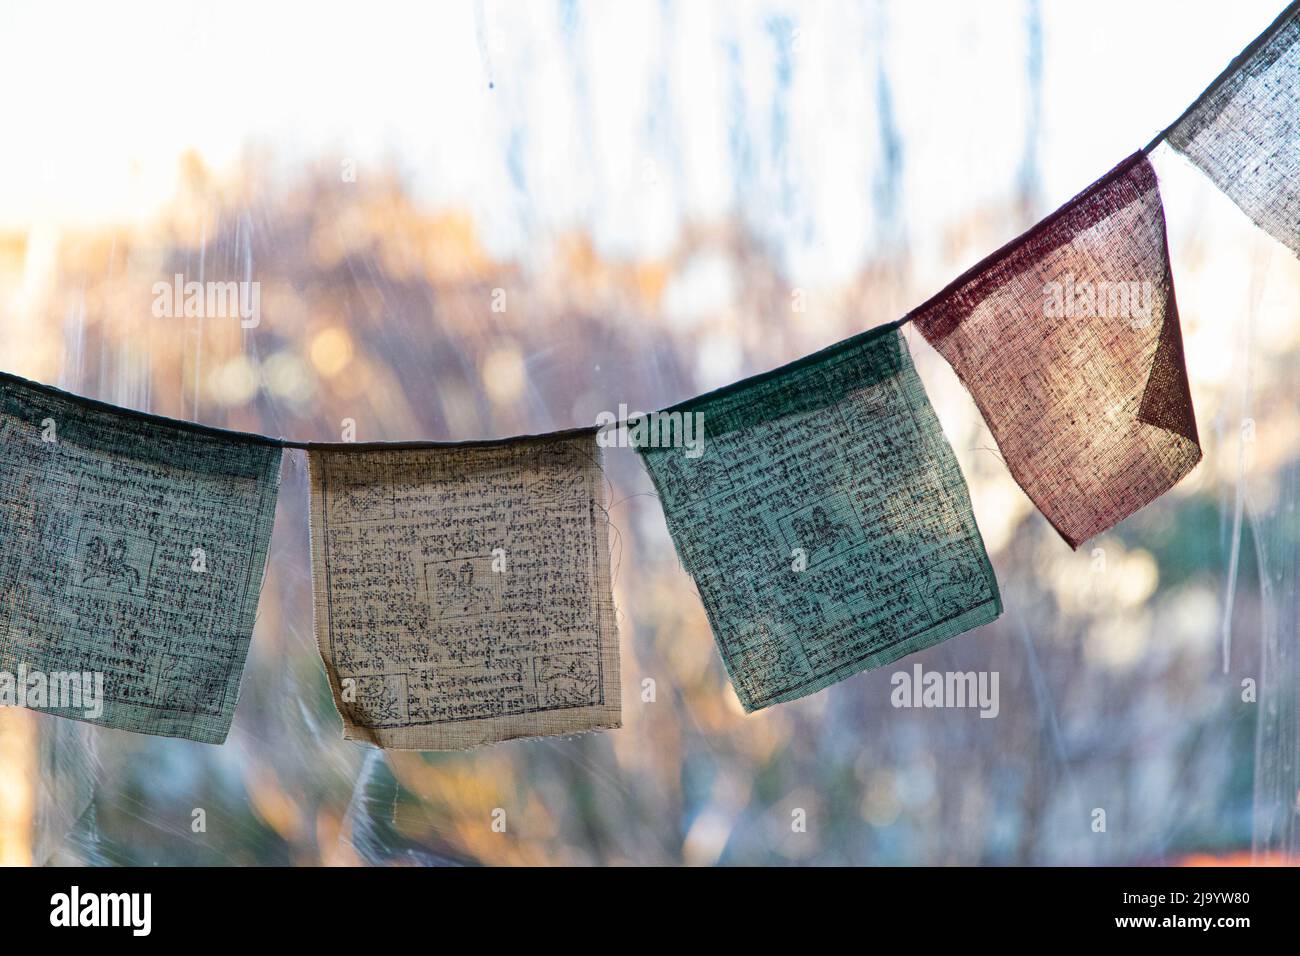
[[569, 681], [360, 499], [374, 709], [559, 478], [771, 659], [817, 531], [107, 567], [457, 591], [956, 588], [192, 686]]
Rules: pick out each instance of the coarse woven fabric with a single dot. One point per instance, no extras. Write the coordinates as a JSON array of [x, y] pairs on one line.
[[1068, 340], [462, 593], [1245, 134], [826, 523], [133, 548]]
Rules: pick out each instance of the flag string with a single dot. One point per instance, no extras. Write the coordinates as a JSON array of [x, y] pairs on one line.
[[286, 443]]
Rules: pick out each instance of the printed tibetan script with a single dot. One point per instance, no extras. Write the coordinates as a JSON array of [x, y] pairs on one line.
[[463, 592], [826, 524], [131, 548], [1068, 340]]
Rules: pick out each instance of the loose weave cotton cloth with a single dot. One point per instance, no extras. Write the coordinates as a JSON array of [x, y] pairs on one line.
[[462, 593], [1068, 340], [131, 551], [826, 523], [1245, 134]]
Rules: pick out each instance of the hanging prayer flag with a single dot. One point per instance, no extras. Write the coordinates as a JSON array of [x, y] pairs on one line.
[[1068, 340], [1244, 132], [824, 519], [131, 558], [462, 592]]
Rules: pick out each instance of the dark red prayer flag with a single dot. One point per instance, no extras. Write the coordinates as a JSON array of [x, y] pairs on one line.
[[1068, 339]]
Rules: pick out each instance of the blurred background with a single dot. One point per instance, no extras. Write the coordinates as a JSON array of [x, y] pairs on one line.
[[659, 197]]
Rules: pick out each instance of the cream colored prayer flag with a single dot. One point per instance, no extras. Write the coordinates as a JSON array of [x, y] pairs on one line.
[[462, 592]]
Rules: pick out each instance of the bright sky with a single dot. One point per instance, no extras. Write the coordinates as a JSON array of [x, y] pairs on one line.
[[625, 116]]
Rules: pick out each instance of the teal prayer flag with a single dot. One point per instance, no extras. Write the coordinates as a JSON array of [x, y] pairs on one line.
[[131, 558], [823, 517]]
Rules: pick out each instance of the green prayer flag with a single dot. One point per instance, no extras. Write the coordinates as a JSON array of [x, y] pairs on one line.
[[824, 518], [131, 558]]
